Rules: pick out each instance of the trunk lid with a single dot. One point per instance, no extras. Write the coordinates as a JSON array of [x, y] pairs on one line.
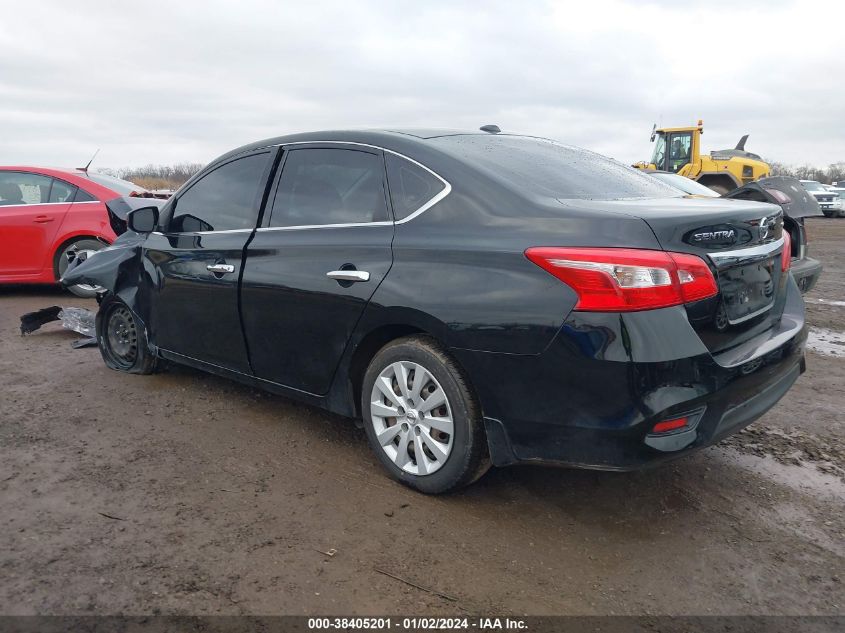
[[742, 241]]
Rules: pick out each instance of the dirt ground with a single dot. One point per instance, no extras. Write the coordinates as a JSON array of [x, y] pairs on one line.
[[183, 493]]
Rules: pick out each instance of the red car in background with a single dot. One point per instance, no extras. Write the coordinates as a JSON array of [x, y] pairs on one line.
[[44, 212]]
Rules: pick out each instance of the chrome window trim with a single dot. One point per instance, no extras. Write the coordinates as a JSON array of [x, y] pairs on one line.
[[302, 227], [447, 189], [41, 204], [206, 232]]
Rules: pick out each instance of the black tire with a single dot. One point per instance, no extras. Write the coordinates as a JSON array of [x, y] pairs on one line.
[[84, 244], [122, 342], [468, 459]]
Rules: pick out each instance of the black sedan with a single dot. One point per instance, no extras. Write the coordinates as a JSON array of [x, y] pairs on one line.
[[475, 297]]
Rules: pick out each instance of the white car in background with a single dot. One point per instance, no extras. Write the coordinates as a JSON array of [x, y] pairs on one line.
[[829, 201], [839, 190]]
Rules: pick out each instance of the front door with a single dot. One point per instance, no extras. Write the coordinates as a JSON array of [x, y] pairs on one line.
[[198, 261], [315, 262]]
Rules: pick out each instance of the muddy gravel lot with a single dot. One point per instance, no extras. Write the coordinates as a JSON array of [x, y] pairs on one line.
[[183, 493]]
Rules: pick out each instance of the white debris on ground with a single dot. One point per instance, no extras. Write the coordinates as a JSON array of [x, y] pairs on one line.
[[826, 342]]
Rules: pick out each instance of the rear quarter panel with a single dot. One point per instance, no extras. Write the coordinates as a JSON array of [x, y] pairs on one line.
[[460, 272]]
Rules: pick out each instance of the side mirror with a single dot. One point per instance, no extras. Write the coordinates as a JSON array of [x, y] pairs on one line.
[[143, 220]]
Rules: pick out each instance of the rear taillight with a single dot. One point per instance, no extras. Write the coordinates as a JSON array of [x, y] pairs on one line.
[[625, 280], [786, 255]]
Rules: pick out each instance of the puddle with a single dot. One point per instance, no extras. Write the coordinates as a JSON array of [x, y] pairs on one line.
[[826, 342], [825, 302], [803, 478]]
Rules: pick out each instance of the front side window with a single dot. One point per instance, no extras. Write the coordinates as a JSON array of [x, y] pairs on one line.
[[679, 150], [22, 188], [411, 186], [225, 199], [330, 186]]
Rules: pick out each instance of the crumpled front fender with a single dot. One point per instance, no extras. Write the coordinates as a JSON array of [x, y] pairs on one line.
[[108, 267]]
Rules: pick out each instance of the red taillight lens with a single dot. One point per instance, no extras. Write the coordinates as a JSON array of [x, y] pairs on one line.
[[786, 255], [623, 279], [670, 425]]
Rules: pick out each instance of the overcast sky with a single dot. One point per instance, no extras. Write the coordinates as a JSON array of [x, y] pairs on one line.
[[164, 82]]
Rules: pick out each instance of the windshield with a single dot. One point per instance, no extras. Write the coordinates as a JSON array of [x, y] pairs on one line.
[[659, 154], [123, 187], [540, 167], [684, 184], [812, 185]]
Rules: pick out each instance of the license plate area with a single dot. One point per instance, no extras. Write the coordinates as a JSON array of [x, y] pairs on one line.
[[748, 290]]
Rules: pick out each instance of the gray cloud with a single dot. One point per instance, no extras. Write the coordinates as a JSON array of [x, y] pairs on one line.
[[173, 81]]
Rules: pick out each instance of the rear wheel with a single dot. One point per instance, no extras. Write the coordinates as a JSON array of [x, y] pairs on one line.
[[122, 343], [421, 417], [84, 245]]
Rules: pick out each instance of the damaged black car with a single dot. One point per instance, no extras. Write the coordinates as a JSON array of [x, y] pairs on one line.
[[476, 298]]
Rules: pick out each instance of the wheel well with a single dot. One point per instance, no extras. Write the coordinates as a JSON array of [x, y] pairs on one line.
[[718, 179], [367, 349], [65, 244]]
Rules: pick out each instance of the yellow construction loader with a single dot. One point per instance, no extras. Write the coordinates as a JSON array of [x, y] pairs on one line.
[[678, 150]]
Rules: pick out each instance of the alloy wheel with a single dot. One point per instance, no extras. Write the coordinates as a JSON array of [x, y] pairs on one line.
[[412, 418]]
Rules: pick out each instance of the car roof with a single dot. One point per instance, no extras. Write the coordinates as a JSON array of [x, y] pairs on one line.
[[400, 140]]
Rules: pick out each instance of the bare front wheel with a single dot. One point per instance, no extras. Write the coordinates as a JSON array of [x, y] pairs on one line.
[[122, 341], [421, 416]]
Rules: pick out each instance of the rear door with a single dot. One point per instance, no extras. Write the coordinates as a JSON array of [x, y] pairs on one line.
[[198, 260], [315, 262], [29, 221]]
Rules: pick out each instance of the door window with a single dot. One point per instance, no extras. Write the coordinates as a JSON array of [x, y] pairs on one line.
[[330, 186], [225, 199], [411, 186], [679, 150], [22, 188], [62, 192]]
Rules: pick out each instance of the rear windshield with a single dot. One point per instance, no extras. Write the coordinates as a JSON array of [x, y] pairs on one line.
[[123, 187], [547, 168]]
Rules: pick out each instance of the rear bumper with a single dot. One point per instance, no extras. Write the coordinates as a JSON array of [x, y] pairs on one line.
[[806, 273], [593, 397]]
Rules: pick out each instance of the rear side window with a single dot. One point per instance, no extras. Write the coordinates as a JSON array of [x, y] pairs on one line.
[[62, 192], [411, 186], [21, 188], [225, 199], [83, 196], [330, 186]]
